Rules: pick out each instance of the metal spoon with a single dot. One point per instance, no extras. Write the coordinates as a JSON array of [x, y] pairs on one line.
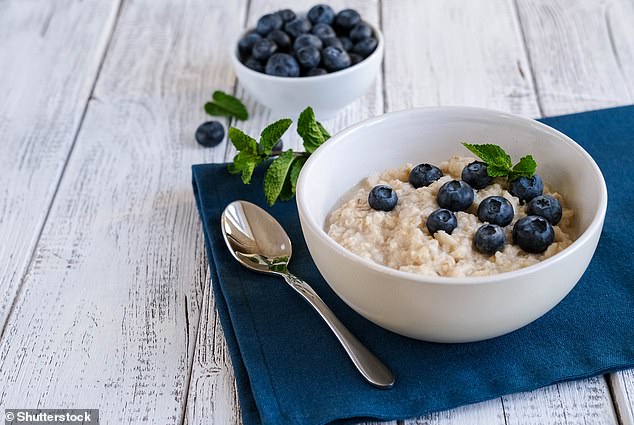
[[260, 243]]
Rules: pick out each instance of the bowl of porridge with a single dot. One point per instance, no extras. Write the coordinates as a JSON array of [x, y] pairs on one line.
[[407, 229]]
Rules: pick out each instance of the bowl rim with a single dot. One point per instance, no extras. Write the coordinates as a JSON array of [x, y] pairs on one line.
[[233, 53], [594, 226]]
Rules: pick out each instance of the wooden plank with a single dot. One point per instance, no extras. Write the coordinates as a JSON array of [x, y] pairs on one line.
[[109, 310], [456, 53], [488, 412], [581, 402], [622, 384], [43, 101], [472, 53], [211, 397], [583, 58], [582, 54]]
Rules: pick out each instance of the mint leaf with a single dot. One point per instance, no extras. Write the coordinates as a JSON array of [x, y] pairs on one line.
[[287, 190], [242, 142], [272, 133], [215, 110], [293, 174], [494, 171], [525, 167], [290, 184], [275, 176], [499, 162], [247, 172], [231, 105], [309, 130], [233, 168], [245, 163], [491, 155], [323, 131]]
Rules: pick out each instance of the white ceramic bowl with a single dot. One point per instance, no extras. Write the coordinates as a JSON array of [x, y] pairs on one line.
[[444, 309], [327, 94]]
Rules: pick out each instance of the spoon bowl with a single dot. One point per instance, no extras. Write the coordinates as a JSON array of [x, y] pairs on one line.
[[255, 238]]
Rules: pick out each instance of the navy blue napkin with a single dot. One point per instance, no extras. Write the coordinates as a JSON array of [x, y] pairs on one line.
[[290, 369]]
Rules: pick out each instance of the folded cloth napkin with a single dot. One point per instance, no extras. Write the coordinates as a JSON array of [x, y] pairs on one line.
[[290, 369]]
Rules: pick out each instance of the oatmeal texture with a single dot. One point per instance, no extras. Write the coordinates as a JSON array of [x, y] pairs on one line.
[[399, 239]]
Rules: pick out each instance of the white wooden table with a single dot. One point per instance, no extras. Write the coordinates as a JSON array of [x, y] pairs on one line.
[[105, 299]]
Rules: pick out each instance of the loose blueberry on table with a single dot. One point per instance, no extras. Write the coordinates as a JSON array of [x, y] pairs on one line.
[[382, 198], [533, 234], [337, 41], [441, 219], [210, 133], [489, 239], [496, 210], [455, 195]]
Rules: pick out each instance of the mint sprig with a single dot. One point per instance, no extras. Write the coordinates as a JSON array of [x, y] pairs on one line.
[[499, 163], [312, 133], [224, 104], [280, 179]]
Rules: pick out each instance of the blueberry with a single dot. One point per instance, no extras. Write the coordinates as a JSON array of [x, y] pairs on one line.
[[287, 15], [365, 47], [346, 43], [315, 72], [545, 206], [246, 43], [281, 39], [297, 27], [210, 133], [282, 65], [347, 19], [277, 148], [496, 210], [424, 175], [441, 219], [321, 14], [355, 59], [455, 195], [527, 188], [382, 198], [533, 233], [323, 31], [254, 64], [361, 31], [476, 175], [268, 23], [308, 57], [489, 238], [307, 40], [335, 58], [332, 41], [263, 49]]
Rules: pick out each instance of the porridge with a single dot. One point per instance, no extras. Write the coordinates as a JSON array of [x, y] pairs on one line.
[[391, 222]]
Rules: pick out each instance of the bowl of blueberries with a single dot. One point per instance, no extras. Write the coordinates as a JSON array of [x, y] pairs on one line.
[[322, 58]]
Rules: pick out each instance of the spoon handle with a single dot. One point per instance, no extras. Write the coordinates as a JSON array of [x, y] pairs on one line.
[[372, 369]]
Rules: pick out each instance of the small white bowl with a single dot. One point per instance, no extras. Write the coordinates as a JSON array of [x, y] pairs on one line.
[[445, 309], [327, 94]]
